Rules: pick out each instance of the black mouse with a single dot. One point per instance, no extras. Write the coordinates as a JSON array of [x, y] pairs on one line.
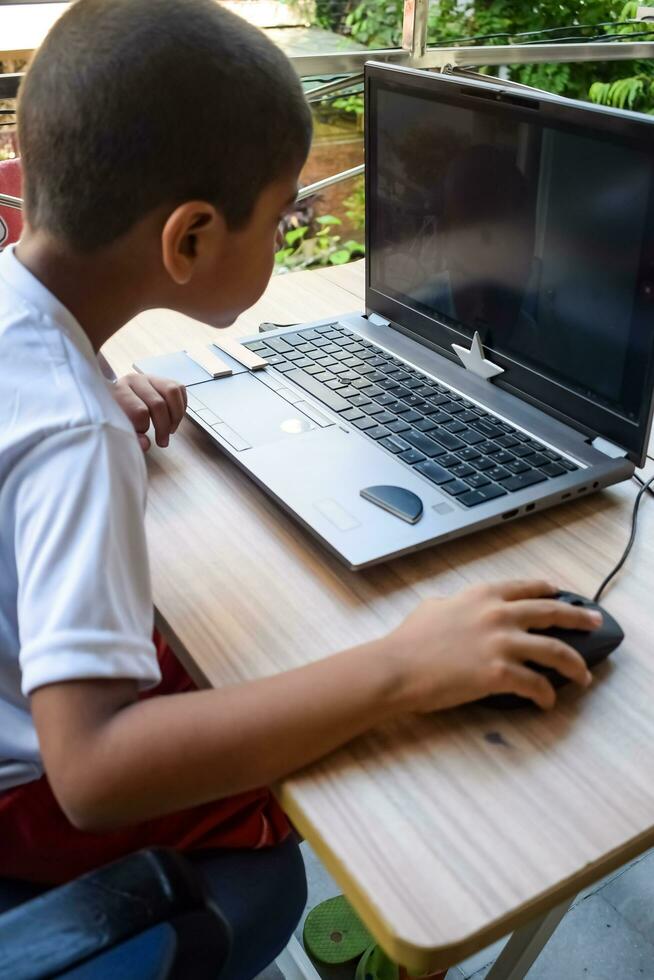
[[594, 646]]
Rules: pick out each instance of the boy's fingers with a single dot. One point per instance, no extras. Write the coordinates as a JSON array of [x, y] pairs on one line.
[[543, 613], [527, 683], [135, 409], [522, 589], [158, 409], [144, 442], [175, 397], [549, 652]]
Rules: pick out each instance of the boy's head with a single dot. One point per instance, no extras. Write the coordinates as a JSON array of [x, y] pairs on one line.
[[171, 114]]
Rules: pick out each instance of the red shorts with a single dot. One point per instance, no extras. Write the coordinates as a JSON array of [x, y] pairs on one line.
[[37, 842]]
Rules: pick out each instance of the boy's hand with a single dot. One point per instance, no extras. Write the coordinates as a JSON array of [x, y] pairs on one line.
[[144, 399], [477, 643]]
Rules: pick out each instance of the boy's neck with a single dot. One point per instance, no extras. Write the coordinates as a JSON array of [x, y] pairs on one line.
[[102, 289]]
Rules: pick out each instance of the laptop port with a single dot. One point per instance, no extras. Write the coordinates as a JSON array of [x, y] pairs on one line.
[[530, 506], [582, 489], [509, 514]]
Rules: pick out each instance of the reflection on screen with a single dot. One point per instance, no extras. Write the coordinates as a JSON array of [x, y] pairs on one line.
[[539, 238]]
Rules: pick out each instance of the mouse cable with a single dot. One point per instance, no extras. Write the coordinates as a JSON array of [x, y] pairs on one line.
[[644, 488]]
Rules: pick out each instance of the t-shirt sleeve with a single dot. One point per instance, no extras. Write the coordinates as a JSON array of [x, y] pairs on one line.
[[84, 597]]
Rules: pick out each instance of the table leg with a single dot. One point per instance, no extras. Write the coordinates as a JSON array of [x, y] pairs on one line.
[[525, 945]]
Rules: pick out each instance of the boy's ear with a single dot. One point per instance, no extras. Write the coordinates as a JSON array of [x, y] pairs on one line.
[[193, 233]]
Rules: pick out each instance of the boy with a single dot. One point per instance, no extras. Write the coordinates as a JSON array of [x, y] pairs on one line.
[[161, 142]]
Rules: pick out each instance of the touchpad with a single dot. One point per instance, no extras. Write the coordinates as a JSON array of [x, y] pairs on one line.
[[249, 408]]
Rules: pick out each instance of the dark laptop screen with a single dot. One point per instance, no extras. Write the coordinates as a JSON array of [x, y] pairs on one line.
[[540, 237]]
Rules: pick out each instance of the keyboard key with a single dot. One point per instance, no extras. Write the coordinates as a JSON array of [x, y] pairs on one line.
[[320, 391], [399, 426], [440, 418], [315, 369], [335, 383], [439, 400], [372, 408], [552, 469], [385, 399], [496, 473], [424, 425], [394, 445], [364, 424], [423, 443], [522, 450], [506, 442], [536, 459], [467, 416], [449, 460], [489, 429], [482, 495], [517, 466], [502, 456], [310, 334], [551, 454], [359, 401], [437, 474], [348, 392], [461, 470], [285, 367], [454, 426], [485, 463], [352, 414], [453, 407], [477, 480], [411, 456], [384, 417], [471, 437], [379, 432], [255, 345], [447, 439], [528, 479], [455, 488], [326, 327], [565, 463], [468, 454], [410, 415], [278, 344]]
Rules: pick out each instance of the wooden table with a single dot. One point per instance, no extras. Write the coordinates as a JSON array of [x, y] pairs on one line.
[[446, 832]]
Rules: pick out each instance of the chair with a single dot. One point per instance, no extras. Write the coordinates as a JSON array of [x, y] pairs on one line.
[[145, 916]]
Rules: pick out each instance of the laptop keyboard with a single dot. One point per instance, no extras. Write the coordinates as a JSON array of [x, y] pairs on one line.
[[463, 449]]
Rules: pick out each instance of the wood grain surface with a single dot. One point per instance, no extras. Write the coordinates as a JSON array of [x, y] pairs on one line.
[[445, 831]]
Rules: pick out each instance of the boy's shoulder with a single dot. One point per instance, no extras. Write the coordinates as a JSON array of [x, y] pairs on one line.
[[49, 375]]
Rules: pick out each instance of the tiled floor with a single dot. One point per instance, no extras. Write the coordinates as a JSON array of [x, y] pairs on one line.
[[608, 934]]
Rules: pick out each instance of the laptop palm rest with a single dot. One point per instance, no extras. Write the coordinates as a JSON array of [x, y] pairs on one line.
[[252, 410]]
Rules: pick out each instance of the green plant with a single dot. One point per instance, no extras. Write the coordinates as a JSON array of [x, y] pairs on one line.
[[302, 251], [350, 103], [377, 23], [355, 204], [634, 91]]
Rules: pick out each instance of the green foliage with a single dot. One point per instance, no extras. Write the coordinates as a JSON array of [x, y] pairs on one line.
[[355, 204], [377, 23], [324, 248], [351, 104]]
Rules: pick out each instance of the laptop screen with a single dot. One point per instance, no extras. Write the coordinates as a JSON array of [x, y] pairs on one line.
[[539, 236]]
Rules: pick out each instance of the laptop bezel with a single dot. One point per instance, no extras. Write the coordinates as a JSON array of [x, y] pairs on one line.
[[527, 383]]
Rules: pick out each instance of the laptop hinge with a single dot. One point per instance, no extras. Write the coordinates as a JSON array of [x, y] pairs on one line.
[[608, 448], [378, 321]]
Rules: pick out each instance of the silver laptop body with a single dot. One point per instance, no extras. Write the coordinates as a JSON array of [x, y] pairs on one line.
[[504, 361]]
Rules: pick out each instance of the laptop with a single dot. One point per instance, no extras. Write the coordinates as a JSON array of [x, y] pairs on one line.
[[504, 362]]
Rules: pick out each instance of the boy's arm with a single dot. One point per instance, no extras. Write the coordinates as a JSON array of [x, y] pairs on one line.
[[114, 760]]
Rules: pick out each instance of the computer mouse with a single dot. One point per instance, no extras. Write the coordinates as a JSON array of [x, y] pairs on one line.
[[593, 645]]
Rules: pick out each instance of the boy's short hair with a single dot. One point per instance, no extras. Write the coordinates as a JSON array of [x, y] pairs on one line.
[[132, 104]]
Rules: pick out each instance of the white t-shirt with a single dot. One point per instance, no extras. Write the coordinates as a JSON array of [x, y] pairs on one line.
[[75, 597]]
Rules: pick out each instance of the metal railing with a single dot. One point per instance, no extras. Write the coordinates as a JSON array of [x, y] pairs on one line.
[[414, 52]]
